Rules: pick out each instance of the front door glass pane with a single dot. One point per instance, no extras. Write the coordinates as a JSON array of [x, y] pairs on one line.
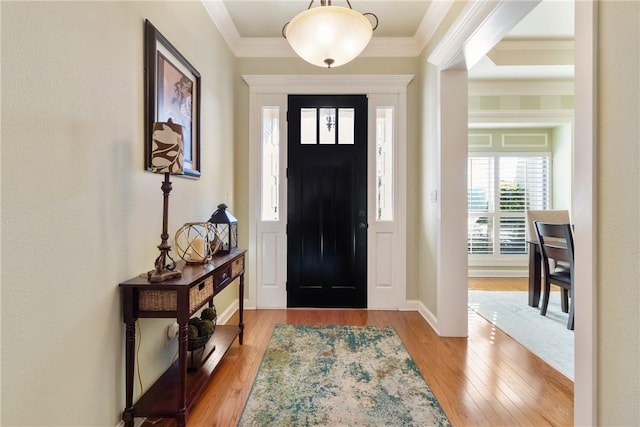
[[327, 125], [308, 126], [346, 118]]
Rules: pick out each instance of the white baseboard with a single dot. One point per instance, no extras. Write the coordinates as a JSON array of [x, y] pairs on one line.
[[224, 317], [428, 316], [410, 305], [498, 273]]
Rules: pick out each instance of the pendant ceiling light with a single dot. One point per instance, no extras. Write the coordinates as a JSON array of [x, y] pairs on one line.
[[329, 36]]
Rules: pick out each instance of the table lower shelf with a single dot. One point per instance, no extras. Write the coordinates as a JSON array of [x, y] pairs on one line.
[[161, 400]]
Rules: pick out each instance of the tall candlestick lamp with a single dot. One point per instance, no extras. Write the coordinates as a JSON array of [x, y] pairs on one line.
[[166, 158]]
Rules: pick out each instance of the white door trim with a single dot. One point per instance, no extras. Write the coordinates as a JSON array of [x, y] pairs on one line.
[[282, 85], [467, 35], [586, 207]]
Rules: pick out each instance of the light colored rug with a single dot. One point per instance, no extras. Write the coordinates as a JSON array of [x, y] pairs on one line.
[[546, 336], [339, 376]]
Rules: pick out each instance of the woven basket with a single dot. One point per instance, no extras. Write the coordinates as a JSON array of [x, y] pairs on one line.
[[155, 300], [237, 266]]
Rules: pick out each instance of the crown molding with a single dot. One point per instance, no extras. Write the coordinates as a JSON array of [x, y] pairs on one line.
[[466, 41], [521, 87], [277, 47], [317, 83], [436, 13], [523, 118], [222, 20], [533, 52], [450, 49], [543, 44], [478, 28]]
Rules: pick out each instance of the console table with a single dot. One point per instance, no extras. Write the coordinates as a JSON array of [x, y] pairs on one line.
[[177, 389]]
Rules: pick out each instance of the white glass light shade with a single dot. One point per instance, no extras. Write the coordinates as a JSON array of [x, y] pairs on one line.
[[329, 35]]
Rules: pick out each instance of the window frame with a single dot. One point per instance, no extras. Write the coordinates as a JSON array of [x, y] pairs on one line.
[[496, 258]]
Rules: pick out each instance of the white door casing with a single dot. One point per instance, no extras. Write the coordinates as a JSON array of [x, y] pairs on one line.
[[267, 237], [386, 263]]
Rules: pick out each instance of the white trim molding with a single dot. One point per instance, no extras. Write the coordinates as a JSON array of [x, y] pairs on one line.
[[428, 316], [277, 47], [476, 30], [521, 87], [379, 88], [587, 206], [529, 118], [327, 84], [499, 273]]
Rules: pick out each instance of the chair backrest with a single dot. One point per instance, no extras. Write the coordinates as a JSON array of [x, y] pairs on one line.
[[549, 215], [556, 242]]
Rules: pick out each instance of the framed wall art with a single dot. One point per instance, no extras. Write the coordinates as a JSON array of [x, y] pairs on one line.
[[172, 91]]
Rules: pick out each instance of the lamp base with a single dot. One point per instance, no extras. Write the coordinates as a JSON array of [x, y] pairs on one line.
[[160, 276]]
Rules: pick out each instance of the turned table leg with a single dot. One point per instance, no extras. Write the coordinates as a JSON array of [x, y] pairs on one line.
[[130, 348]]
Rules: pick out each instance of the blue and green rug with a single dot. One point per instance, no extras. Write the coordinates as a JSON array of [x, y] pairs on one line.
[[339, 376]]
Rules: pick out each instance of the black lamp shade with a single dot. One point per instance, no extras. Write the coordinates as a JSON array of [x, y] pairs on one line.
[[227, 227]]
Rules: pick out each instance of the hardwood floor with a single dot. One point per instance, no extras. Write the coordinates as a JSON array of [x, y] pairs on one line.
[[487, 379], [499, 283]]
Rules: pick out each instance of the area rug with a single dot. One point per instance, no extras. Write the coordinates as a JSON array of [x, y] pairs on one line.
[[546, 336], [339, 376]]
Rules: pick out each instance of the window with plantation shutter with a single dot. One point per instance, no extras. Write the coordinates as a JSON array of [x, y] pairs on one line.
[[480, 199], [500, 188]]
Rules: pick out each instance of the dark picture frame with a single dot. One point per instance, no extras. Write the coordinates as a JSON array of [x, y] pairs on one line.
[[172, 90]]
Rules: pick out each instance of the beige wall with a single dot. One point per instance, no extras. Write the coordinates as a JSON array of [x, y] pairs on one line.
[[562, 168], [618, 223], [79, 213], [427, 184]]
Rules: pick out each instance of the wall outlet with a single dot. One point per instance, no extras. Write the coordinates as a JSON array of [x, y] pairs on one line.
[[172, 330]]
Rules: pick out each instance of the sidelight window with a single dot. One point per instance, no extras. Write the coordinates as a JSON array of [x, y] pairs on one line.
[[384, 164], [270, 163]]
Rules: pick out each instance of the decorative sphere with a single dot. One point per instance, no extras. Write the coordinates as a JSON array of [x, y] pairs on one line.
[[209, 313], [193, 332], [196, 242], [205, 327]]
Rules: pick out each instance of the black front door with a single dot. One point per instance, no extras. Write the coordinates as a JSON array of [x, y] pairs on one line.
[[327, 201]]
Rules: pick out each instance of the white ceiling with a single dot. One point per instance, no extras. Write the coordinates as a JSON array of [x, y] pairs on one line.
[[265, 18], [539, 47]]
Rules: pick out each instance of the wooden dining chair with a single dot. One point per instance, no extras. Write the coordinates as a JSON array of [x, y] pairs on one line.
[[554, 216], [556, 243]]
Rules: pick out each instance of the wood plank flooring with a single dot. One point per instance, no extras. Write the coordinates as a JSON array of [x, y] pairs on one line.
[[499, 283], [487, 379]]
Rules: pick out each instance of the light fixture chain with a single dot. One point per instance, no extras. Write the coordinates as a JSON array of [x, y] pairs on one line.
[[374, 15]]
